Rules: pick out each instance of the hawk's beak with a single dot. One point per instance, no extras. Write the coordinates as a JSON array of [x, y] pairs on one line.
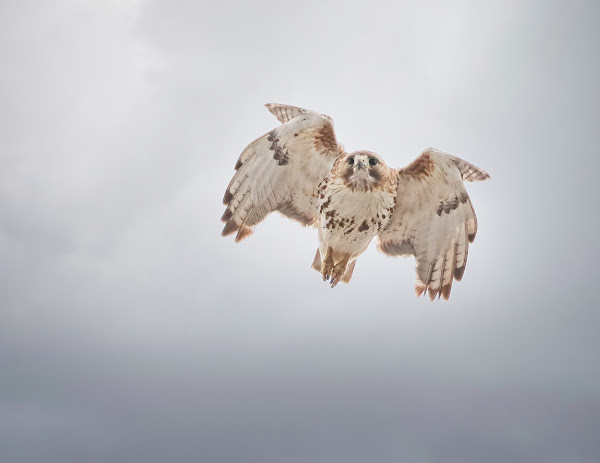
[[360, 164]]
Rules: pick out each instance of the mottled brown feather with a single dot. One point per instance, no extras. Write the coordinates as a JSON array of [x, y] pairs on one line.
[[325, 138], [363, 226], [421, 167]]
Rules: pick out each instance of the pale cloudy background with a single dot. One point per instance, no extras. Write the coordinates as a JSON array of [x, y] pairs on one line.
[[130, 331]]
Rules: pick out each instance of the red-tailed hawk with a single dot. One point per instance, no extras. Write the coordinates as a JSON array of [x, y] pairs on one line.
[[299, 170]]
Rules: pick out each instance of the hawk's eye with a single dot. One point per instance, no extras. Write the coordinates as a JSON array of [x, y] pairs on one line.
[[372, 161], [351, 161]]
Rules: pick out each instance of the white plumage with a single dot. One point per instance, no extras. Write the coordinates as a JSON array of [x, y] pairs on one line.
[[300, 170]]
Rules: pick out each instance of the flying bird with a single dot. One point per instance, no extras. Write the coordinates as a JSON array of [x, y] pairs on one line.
[[300, 170]]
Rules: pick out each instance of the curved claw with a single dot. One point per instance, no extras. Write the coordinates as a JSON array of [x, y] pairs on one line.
[[339, 270]]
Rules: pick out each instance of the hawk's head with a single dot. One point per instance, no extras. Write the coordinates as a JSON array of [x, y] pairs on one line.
[[362, 170]]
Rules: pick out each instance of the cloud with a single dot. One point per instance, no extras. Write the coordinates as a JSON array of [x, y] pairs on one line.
[[131, 331]]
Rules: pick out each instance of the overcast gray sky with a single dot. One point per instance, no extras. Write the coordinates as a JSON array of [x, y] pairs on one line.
[[130, 331]]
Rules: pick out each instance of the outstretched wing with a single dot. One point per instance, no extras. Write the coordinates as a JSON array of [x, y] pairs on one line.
[[434, 219], [281, 171]]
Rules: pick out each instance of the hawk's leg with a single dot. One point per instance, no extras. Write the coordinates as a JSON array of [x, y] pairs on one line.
[[327, 266], [339, 270]]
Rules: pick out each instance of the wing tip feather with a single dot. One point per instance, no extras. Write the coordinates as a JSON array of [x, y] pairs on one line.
[[243, 233], [226, 215], [446, 290], [230, 228], [419, 288], [432, 293]]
